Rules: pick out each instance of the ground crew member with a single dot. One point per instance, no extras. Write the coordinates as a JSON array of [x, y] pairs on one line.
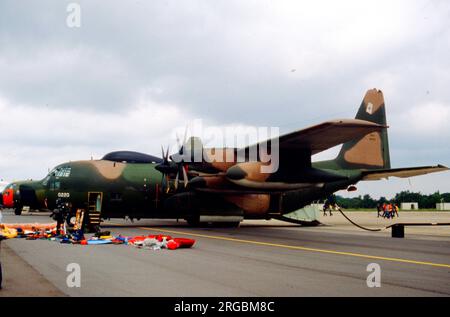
[[330, 204], [328, 207], [396, 209], [325, 207], [389, 210], [385, 211], [379, 210], [58, 215]]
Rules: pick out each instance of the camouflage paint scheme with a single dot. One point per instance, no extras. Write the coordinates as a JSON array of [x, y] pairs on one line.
[[230, 192]]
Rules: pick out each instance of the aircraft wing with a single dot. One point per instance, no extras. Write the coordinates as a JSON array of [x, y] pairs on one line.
[[402, 172], [326, 135]]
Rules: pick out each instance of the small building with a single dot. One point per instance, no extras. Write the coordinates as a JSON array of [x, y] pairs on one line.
[[443, 206], [409, 206]]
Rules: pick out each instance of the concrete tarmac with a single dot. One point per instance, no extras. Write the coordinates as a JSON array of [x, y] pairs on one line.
[[21, 279], [260, 258]]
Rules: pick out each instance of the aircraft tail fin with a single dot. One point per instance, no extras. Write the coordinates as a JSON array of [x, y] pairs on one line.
[[372, 150]]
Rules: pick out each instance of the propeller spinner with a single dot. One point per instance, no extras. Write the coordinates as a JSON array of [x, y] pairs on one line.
[[170, 168]]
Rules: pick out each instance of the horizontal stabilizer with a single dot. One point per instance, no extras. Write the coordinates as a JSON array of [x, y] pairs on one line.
[[402, 172]]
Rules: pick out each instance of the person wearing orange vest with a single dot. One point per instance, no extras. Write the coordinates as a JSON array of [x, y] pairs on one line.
[[385, 213], [390, 211]]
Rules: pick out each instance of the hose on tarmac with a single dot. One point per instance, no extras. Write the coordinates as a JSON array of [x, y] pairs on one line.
[[355, 224]]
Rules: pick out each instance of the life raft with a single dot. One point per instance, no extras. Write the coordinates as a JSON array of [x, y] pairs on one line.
[[8, 233], [184, 242], [172, 243]]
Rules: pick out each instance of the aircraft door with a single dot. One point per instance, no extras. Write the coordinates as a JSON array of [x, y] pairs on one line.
[[94, 209], [95, 201]]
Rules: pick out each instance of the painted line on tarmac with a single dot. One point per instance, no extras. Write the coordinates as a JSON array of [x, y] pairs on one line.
[[293, 247]]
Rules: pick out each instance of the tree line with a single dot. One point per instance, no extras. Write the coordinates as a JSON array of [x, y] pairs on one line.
[[425, 201]]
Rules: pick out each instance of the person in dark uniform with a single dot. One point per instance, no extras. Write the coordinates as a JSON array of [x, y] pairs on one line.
[[326, 207], [58, 215], [330, 204], [379, 210]]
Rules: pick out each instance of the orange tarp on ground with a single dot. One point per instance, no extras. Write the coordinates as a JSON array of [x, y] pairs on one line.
[[29, 226]]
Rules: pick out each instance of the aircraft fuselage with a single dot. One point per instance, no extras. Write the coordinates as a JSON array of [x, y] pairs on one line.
[[134, 190]]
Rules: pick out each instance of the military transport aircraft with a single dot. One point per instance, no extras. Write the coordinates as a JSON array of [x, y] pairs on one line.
[[211, 191]]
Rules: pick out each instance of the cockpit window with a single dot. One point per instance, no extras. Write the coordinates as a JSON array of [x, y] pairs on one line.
[[55, 185], [45, 181], [58, 172], [63, 172]]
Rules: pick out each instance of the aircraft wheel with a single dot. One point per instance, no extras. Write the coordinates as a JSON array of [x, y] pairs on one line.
[[18, 211]]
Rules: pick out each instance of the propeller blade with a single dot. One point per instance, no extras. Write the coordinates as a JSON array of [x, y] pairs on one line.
[[168, 184], [176, 181], [185, 177]]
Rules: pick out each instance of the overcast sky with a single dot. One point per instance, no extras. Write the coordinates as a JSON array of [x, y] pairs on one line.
[[136, 70]]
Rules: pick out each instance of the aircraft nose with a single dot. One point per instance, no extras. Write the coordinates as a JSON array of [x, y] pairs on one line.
[[236, 173], [8, 198]]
